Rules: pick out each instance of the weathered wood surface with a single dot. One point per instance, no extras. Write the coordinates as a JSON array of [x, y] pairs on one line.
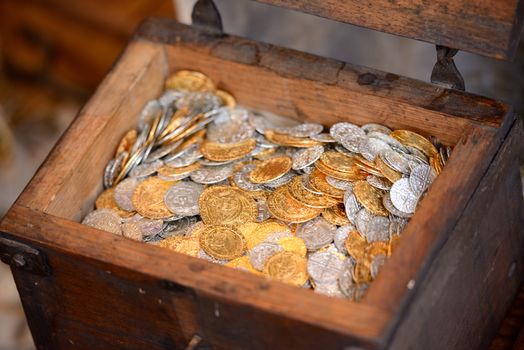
[[490, 27]]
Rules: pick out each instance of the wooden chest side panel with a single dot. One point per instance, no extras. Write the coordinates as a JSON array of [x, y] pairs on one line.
[[489, 28], [472, 281]]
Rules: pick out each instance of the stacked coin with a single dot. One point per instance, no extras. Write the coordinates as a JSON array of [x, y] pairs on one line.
[[262, 193]]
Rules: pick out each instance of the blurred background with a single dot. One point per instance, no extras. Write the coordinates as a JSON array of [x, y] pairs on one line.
[[53, 54]]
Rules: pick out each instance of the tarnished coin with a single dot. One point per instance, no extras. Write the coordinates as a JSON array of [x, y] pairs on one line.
[[212, 174], [421, 177], [182, 198], [324, 267], [139, 228], [305, 130], [362, 272], [225, 205], [270, 169], [261, 253], [402, 197], [306, 157], [148, 198], [124, 192], [287, 267], [104, 219], [316, 233], [222, 242], [283, 206]]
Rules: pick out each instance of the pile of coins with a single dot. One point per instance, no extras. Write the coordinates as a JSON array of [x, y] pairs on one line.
[[315, 208]]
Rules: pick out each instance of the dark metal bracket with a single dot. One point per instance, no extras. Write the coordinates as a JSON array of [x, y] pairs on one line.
[[205, 14], [23, 257], [445, 72]]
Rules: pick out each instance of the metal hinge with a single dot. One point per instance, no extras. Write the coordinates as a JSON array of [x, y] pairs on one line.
[[445, 72], [205, 14], [23, 257]]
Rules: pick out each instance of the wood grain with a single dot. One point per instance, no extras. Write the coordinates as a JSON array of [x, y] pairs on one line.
[[490, 28]]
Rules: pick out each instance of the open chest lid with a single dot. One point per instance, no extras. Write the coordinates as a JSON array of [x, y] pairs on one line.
[[486, 27]]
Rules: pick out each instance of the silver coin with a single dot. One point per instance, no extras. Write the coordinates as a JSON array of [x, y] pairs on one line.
[[360, 290], [182, 198], [368, 128], [199, 102], [183, 227], [402, 197], [306, 156], [386, 201], [377, 229], [379, 182], [241, 179], [421, 177], [131, 230], [188, 157], [105, 220], [330, 289], [263, 211], [306, 130], [345, 279], [117, 166], [376, 264], [138, 227], [231, 131], [109, 175], [163, 151], [281, 180], [261, 253], [392, 142], [340, 237], [212, 174], [307, 170], [351, 204], [396, 225], [203, 255], [324, 267], [146, 169], [342, 149], [362, 220], [316, 233], [339, 184], [395, 161], [151, 110], [124, 192], [323, 137], [263, 142], [169, 97], [352, 142], [370, 147], [340, 131], [417, 154], [275, 237]]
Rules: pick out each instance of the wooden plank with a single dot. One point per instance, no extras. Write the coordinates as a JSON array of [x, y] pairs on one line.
[[357, 324], [490, 28], [479, 270]]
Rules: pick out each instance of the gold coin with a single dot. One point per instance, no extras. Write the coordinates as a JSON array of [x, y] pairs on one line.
[[410, 138], [221, 152], [356, 245], [263, 230], [293, 244], [354, 175], [338, 161], [367, 166], [270, 169], [167, 171], [370, 197], [284, 207], [226, 97], [244, 264], [265, 154], [386, 171], [336, 215], [222, 242], [310, 199], [377, 248], [148, 198], [226, 205], [287, 267], [184, 245], [317, 180], [106, 199], [290, 141], [127, 142], [362, 273], [185, 80], [393, 243], [436, 163]]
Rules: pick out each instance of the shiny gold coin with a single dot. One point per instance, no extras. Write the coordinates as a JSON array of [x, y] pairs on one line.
[[310, 199], [293, 244], [270, 169], [436, 163], [127, 142], [221, 152], [377, 248], [370, 197], [410, 138], [106, 199], [244, 264], [362, 273], [317, 180], [184, 245], [148, 198], [287, 267], [185, 80], [354, 175], [336, 215], [167, 171], [226, 97], [284, 207], [386, 171], [222, 242], [338, 161], [265, 154], [263, 230], [226, 205], [356, 245], [290, 141], [367, 166]]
